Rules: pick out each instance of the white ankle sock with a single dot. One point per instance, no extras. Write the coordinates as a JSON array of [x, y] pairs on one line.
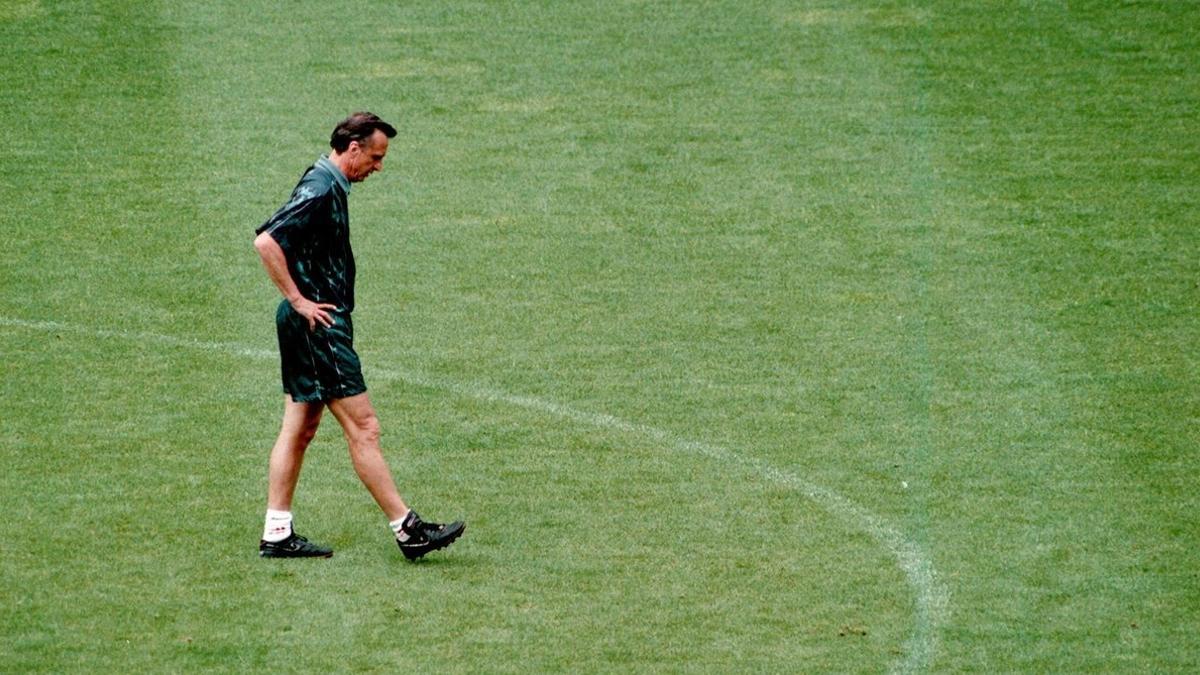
[[278, 526], [398, 528]]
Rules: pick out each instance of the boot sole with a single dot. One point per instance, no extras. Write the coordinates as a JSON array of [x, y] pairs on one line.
[[271, 554]]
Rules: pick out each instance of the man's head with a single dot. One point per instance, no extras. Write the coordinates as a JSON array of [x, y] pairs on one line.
[[359, 143]]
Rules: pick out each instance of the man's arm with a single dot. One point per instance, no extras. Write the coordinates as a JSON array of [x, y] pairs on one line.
[[275, 260]]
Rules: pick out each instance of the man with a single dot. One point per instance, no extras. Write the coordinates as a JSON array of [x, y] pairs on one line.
[[305, 248]]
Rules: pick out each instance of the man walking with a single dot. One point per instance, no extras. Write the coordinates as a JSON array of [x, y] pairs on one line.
[[305, 248]]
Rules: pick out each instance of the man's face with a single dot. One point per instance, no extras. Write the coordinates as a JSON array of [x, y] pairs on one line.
[[365, 158]]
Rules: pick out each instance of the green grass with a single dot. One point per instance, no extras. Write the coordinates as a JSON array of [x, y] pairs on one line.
[[721, 323]]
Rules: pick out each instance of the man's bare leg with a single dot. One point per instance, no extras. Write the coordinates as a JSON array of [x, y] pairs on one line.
[[415, 536], [300, 422], [361, 426]]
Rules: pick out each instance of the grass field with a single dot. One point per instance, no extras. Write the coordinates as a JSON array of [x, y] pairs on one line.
[[747, 336]]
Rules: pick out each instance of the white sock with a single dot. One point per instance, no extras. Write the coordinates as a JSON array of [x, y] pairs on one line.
[[278, 526], [398, 529]]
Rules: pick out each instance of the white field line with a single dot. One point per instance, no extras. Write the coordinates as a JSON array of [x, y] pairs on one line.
[[932, 600]]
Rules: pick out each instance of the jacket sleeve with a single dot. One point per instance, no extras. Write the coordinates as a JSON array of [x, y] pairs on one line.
[[296, 222]]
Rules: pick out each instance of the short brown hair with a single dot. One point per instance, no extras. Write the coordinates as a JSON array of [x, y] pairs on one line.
[[358, 127]]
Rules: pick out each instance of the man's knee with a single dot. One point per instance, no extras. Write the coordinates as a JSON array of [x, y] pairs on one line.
[[363, 433], [307, 432], [300, 422], [297, 434], [359, 422]]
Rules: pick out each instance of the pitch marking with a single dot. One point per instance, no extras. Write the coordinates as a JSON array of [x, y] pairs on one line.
[[932, 600]]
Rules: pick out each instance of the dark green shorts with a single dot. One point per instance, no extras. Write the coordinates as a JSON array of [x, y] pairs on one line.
[[318, 365]]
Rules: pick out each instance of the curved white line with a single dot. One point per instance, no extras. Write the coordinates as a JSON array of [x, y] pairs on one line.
[[932, 600]]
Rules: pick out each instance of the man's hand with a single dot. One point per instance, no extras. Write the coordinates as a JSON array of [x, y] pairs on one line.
[[314, 312]]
